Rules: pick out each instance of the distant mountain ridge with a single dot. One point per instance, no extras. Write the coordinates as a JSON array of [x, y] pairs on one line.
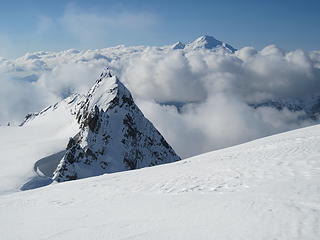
[[310, 106]]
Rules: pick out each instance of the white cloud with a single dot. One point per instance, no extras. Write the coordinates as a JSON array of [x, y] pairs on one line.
[[17, 98], [210, 89], [63, 80], [221, 86], [150, 76]]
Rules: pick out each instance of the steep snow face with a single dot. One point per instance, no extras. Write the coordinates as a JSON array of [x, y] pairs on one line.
[[209, 42], [114, 135]]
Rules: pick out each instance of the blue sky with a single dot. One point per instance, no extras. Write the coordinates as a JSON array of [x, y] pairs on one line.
[[27, 26]]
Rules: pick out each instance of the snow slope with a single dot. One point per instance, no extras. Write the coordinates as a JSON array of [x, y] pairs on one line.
[[43, 135], [265, 189]]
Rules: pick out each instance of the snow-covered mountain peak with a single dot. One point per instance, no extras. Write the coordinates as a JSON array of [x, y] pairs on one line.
[[206, 38], [209, 42], [114, 135], [106, 91]]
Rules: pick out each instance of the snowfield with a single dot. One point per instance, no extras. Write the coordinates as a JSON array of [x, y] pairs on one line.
[[265, 189], [39, 139]]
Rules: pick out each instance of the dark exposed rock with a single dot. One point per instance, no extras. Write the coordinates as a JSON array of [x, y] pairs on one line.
[[89, 153], [70, 157], [72, 177], [71, 143]]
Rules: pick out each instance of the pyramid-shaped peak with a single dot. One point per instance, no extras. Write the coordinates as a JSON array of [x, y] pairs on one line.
[[209, 42], [114, 135], [206, 38], [106, 90]]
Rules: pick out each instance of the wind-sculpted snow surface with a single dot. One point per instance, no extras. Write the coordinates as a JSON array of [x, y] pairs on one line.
[[265, 189], [114, 135]]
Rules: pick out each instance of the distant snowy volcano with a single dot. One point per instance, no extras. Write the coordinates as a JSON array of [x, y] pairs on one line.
[[204, 42], [209, 42], [114, 135]]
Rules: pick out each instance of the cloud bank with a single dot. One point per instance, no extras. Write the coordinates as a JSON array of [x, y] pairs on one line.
[[199, 99]]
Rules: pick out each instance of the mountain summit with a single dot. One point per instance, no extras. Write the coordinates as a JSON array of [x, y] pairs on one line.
[[114, 135], [209, 42]]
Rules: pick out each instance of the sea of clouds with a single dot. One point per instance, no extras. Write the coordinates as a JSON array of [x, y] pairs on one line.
[[198, 99]]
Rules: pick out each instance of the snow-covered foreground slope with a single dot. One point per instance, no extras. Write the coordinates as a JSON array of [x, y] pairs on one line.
[[41, 139], [265, 189]]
